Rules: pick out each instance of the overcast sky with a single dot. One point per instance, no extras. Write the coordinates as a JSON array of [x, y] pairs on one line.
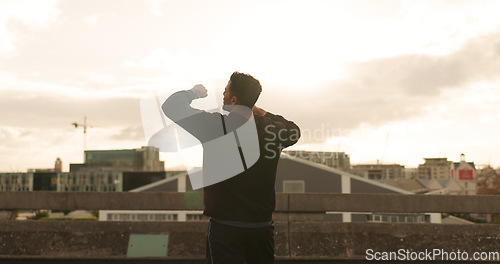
[[387, 80]]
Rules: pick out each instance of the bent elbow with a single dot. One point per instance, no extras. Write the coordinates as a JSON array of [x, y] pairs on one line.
[[171, 108], [167, 108]]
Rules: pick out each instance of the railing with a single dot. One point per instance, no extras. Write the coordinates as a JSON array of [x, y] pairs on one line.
[[300, 233]]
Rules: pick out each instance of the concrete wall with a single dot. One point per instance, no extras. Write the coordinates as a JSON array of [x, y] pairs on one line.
[[299, 229], [314, 240]]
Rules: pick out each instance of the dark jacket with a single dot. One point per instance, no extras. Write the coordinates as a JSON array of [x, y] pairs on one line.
[[250, 195]]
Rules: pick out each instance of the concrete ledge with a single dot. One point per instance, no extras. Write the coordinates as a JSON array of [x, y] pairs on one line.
[[294, 240], [300, 203], [82, 239], [101, 200], [300, 233], [351, 240], [393, 203], [278, 260]]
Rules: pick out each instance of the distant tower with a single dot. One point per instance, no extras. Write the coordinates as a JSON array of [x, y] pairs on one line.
[[58, 165], [462, 157]]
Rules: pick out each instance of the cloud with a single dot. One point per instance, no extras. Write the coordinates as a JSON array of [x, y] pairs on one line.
[[131, 133], [156, 7], [182, 64], [45, 144], [384, 90], [34, 14], [96, 18], [427, 75], [7, 135], [75, 44], [36, 110]]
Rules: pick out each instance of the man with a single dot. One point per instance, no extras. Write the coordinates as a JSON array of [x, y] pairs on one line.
[[241, 207]]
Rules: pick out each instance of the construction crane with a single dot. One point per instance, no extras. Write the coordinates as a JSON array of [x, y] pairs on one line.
[[84, 125]]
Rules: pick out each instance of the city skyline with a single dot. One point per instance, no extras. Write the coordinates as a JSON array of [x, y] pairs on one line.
[[395, 81]]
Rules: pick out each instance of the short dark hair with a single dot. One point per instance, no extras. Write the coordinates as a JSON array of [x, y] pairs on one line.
[[246, 88]]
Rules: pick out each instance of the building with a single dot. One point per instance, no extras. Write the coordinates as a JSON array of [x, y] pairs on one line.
[[143, 159], [446, 177], [434, 168], [85, 181], [410, 173], [488, 181], [337, 160], [177, 183], [16, 181], [436, 186], [106, 181], [103, 170], [57, 167], [464, 173], [416, 186], [45, 181], [462, 177], [296, 175], [379, 171]]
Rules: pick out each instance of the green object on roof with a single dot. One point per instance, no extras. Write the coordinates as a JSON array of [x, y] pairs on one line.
[[147, 245]]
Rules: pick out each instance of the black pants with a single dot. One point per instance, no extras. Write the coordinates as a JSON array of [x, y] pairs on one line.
[[235, 245]]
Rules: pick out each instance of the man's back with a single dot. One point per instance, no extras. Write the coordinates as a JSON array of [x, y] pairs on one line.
[[250, 195]]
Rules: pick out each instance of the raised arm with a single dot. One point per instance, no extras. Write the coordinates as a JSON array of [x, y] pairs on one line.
[[203, 125], [178, 106]]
